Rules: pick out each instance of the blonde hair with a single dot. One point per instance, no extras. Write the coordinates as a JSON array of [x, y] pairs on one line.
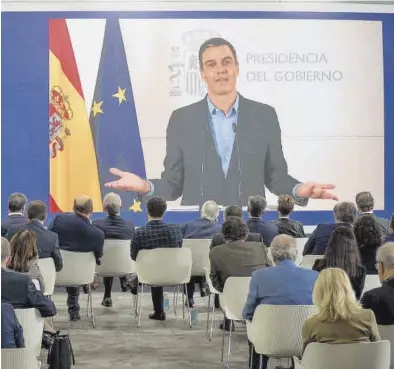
[[334, 296]]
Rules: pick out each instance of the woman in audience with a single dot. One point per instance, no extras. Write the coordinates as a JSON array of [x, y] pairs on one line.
[[342, 252], [340, 319], [369, 239], [11, 330]]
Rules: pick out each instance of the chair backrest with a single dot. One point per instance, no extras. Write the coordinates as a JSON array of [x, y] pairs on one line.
[[371, 281], [300, 243], [36, 284], [33, 325], [200, 254], [116, 260], [212, 289], [362, 355], [286, 322], [387, 333], [309, 260], [233, 298], [48, 272], [21, 358], [78, 269], [164, 266]]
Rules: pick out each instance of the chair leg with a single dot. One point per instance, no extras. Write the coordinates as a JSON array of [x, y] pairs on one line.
[[208, 311], [87, 304], [91, 307], [229, 345], [140, 306], [224, 332], [251, 357], [261, 362], [135, 305], [212, 319], [176, 299], [188, 308]]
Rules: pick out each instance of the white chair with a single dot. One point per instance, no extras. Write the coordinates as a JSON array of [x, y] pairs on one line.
[[363, 355], [48, 272], [21, 358], [286, 322], [309, 260], [371, 281], [163, 267], [212, 291], [116, 260], [387, 333], [300, 243], [200, 255], [78, 269], [36, 284]]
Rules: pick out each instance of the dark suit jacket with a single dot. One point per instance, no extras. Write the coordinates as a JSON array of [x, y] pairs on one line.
[[218, 239], [290, 227], [193, 169], [11, 330], [384, 224], [47, 241], [18, 290], [268, 231], [236, 259], [318, 240], [12, 220], [155, 234], [389, 238], [368, 257], [115, 227], [381, 301], [76, 233], [200, 228]]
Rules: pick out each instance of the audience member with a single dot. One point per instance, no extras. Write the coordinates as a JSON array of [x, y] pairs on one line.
[[369, 239], [365, 204], [340, 319], [11, 330], [285, 284], [381, 300], [156, 234], [390, 238], [114, 228], [344, 215], [284, 223], [342, 252], [76, 233], [47, 241], [256, 207], [16, 208]]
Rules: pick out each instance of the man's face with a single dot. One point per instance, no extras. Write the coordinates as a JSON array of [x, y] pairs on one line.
[[219, 70]]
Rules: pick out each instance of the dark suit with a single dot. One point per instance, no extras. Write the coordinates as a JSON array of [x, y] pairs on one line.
[[368, 258], [47, 241], [290, 227], [12, 220], [218, 239], [200, 228], [268, 231], [384, 224], [191, 147], [156, 234], [11, 330], [18, 290], [389, 238]]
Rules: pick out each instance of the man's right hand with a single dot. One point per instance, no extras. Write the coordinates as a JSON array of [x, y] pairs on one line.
[[128, 182]]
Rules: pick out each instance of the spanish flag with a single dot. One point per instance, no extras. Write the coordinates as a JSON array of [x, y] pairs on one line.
[[73, 165]]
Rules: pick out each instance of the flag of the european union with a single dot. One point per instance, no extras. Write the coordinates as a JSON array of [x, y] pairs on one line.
[[113, 117]]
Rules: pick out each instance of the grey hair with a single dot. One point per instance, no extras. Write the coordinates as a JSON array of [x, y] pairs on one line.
[[345, 212], [283, 247], [385, 254], [365, 201], [112, 203], [17, 202], [210, 211], [5, 249]]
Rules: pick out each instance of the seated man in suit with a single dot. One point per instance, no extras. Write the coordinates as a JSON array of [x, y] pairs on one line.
[[284, 223], [76, 233], [114, 228], [381, 300], [11, 330], [47, 241], [256, 207], [156, 234], [344, 215], [286, 284], [16, 208], [236, 258]]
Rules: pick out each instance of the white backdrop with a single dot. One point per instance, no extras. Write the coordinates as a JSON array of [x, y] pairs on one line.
[[332, 130]]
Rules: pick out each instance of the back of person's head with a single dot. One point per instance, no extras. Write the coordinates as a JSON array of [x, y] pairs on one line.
[[345, 212], [36, 210], [156, 207], [256, 205], [5, 251], [112, 203], [342, 251], [367, 231], [17, 202], [232, 211], [365, 201], [385, 261], [285, 205], [235, 229], [210, 211], [23, 250], [283, 247], [83, 205], [334, 296]]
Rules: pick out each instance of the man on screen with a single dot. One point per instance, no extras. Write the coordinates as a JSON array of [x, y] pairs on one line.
[[224, 147]]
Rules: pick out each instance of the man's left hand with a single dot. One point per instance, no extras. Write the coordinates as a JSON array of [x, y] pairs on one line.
[[315, 190]]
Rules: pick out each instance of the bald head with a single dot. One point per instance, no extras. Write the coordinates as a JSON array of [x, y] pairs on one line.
[[83, 204], [385, 259], [210, 211], [283, 247]]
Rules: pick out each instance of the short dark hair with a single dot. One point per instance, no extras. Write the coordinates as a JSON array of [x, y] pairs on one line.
[[345, 212], [16, 202], [367, 231], [156, 206], [83, 204], [365, 201], [256, 205], [235, 229], [232, 211], [36, 210], [285, 204], [214, 42]]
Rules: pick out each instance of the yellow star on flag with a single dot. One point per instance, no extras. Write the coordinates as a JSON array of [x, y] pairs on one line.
[[136, 207], [120, 95], [96, 108]]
